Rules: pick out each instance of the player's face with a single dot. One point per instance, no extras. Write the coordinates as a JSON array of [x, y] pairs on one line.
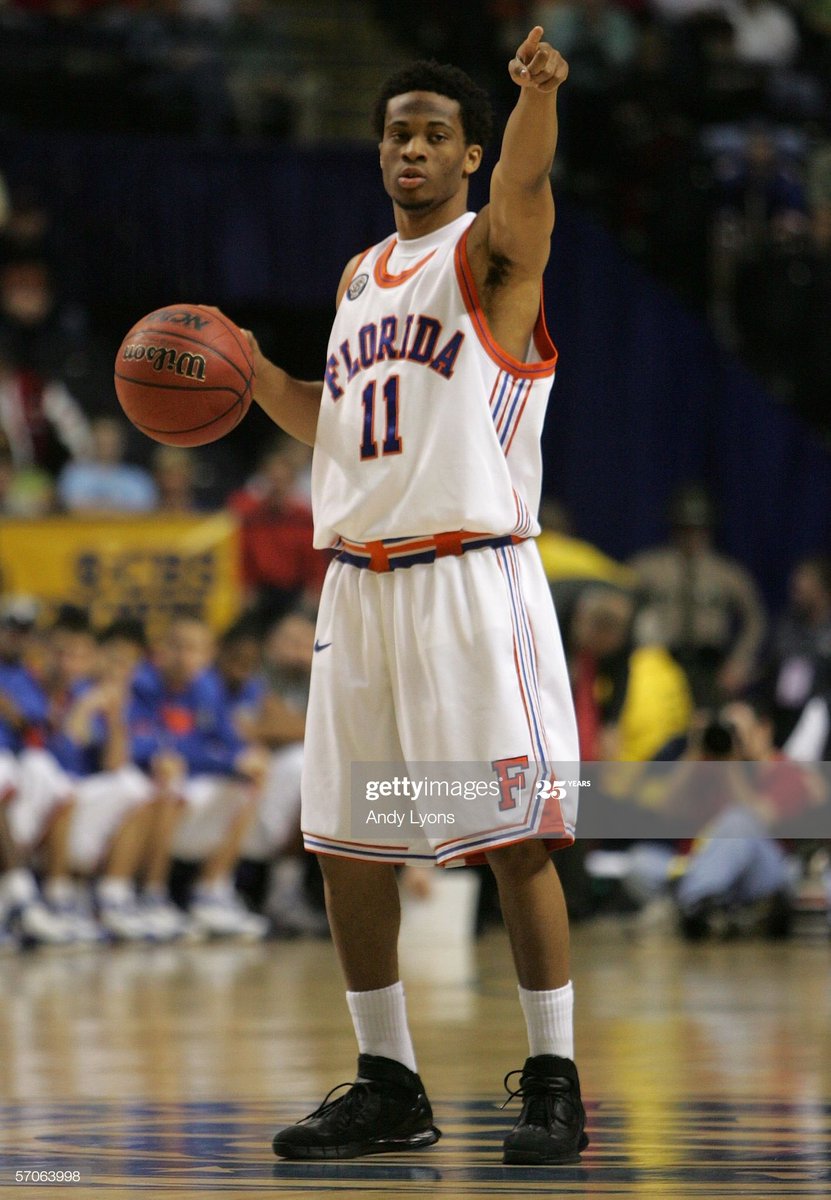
[[240, 660], [424, 159], [73, 655], [185, 652], [118, 659]]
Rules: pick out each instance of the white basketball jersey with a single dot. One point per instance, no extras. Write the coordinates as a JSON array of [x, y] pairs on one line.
[[426, 425]]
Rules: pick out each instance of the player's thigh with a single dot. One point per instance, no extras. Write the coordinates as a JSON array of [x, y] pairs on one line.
[[480, 671]]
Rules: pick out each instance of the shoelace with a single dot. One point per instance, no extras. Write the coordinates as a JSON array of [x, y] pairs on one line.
[[345, 1103], [542, 1088]]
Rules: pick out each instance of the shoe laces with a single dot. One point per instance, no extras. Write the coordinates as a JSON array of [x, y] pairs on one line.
[[347, 1106], [539, 1094]]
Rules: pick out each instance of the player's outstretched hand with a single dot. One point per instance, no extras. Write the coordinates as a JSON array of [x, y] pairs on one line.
[[537, 65]]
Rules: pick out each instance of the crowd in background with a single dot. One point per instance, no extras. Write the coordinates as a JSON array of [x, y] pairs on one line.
[[149, 787], [698, 130]]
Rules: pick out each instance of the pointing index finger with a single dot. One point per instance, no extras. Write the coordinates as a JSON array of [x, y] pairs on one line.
[[529, 47]]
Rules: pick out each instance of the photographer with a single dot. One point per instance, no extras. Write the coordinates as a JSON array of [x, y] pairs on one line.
[[736, 871]]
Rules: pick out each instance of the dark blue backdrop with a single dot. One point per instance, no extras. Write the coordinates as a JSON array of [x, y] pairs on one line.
[[644, 398]]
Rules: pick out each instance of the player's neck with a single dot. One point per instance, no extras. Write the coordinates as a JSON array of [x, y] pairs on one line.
[[414, 224]]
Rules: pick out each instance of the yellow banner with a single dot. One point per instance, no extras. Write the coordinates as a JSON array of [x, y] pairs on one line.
[[147, 567]]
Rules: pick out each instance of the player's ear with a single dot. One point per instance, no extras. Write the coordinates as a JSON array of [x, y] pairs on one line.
[[472, 161]]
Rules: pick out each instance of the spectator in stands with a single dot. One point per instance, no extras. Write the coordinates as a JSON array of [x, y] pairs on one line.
[[760, 221], [630, 698], [175, 474], [598, 39], [819, 191], [42, 422], [48, 338], [766, 33], [735, 874], [104, 482], [279, 725], [35, 795], [650, 141], [280, 567], [704, 607], [239, 677], [258, 50], [88, 688], [24, 491], [737, 863], [184, 735], [27, 229], [799, 661]]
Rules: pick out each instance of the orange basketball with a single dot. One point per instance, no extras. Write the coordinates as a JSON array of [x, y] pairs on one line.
[[183, 375]]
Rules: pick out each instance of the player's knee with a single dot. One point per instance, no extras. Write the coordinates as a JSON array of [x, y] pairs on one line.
[[519, 859], [339, 871]]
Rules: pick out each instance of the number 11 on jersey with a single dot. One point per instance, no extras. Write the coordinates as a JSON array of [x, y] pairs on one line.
[[392, 442]]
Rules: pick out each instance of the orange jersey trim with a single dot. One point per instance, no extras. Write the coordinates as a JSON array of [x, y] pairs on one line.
[[542, 339], [382, 276]]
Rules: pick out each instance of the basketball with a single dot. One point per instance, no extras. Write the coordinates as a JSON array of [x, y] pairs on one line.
[[183, 375]]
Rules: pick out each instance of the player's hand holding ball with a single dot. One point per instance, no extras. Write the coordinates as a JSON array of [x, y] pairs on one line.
[[184, 375], [537, 65]]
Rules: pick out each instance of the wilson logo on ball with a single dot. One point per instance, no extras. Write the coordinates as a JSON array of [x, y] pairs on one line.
[[166, 358]]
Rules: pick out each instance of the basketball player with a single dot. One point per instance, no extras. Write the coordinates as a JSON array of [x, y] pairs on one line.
[[436, 637]]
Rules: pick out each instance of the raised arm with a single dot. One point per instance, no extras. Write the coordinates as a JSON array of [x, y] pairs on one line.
[[293, 404], [520, 216]]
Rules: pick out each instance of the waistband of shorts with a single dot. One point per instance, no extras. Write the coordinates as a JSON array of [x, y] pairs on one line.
[[392, 554]]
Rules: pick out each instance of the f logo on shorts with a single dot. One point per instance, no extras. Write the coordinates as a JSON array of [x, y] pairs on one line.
[[511, 775]]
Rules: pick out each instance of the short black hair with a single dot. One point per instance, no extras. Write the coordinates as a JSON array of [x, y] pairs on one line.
[[71, 618], [245, 629], [446, 80], [124, 629]]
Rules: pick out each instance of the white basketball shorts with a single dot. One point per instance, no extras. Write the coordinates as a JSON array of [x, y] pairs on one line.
[[37, 788], [211, 802], [102, 804], [456, 661]]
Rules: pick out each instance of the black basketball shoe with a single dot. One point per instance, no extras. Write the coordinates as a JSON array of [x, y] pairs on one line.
[[551, 1126], [385, 1110]]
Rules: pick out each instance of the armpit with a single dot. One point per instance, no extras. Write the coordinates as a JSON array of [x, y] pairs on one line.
[[499, 268]]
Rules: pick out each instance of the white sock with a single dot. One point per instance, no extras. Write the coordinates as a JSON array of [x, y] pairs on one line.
[[61, 890], [155, 891], [115, 891], [549, 1017], [221, 888], [18, 887], [286, 881], [380, 1020]]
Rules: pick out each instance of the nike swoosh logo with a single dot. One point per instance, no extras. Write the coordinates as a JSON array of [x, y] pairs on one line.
[[321, 645]]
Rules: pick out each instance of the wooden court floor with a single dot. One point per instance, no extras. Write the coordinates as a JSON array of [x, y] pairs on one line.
[[163, 1071]]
